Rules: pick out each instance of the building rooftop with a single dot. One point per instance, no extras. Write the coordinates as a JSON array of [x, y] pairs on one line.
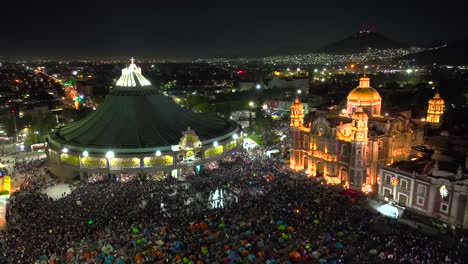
[[136, 115], [429, 167]]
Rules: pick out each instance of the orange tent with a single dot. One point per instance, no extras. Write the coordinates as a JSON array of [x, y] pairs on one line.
[[295, 255]]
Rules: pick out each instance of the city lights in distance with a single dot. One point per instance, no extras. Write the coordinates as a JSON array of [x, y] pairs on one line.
[[299, 91], [258, 86]]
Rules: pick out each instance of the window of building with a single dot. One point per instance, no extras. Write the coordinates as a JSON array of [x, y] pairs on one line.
[[387, 193], [404, 184], [388, 178], [446, 199], [444, 207], [402, 199], [344, 150], [306, 142], [421, 194], [422, 190], [321, 146], [420, 200]]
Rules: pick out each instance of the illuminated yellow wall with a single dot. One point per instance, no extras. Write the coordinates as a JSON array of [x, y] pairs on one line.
[[5, 184], [213, 151], [69, 159], [158, 161], [121, 163], [93, 162], [231, 145]]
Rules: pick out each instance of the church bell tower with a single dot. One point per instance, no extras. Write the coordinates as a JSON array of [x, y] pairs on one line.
[[358, 162], [435, 110], [297, 119]]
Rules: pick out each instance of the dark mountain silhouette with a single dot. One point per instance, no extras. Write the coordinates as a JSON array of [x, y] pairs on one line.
[[360, 42], [453, 53]]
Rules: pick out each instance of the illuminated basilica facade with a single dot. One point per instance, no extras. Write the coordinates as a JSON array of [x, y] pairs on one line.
[[347, 147]]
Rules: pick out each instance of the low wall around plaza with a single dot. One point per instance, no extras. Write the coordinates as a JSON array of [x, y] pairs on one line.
[[72, 165], [66, 172]]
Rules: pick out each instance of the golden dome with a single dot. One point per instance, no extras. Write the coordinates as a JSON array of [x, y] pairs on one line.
[[437, 100], [364, 93]]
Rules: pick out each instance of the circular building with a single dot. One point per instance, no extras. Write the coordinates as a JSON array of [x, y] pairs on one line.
[[138, 130], [365, 97]]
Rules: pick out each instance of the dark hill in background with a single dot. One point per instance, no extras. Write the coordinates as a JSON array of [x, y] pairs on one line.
[[454, 53], [360, 42]]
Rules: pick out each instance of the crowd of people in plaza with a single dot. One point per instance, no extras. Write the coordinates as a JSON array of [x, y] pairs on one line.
[[266, 216]]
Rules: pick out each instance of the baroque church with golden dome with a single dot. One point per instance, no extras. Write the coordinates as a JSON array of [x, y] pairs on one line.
[[346, 147]]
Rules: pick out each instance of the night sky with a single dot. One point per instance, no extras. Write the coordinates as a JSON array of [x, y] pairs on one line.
[[176, 28]]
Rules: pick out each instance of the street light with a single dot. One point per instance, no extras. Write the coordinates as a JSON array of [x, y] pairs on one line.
[[158, 153], [299, 91], [14, 122], [65, 150], [235, 136], [85, 153], [258, 86], [251, 104], [110, 154], [215, 144]]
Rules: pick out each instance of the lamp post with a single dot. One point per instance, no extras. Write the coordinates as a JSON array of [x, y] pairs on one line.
[[109, 155], [14, 122]]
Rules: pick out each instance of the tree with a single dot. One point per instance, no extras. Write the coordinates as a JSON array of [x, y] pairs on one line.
[[41, 124], [205, 108]]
